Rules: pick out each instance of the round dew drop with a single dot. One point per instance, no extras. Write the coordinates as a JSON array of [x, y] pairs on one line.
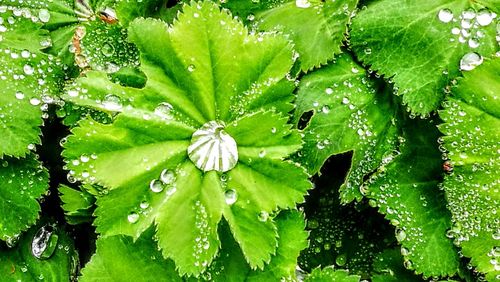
[[302, 4], [133, 217], [156, 186], [164, 110], [43, 15], [112, 103], [212, 148], [230, 196], [44, 243], [167, 177], [445, 15], [470, 61]]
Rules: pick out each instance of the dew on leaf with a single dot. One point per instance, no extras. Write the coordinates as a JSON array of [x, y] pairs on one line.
[[133, 217], [263, 216], [191, 68], [35, 101], [231, 196], [470, 61], [156, 186], [341, 260], [469, 14], [43, 15], [28, 69], [484, 17], [19, 95], [164, 110], [112, 103], [144, 205], [328, 91], [167, 177], [44, 242], [108, 50], [302, 3], [212, 148], [445, 15]]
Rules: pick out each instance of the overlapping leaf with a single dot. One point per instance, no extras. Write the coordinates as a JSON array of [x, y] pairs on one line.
[[59, 260], [22, 182], [471, 125], [406, 191], [348, 115], [317, 28], [420, 44], [203, 68]]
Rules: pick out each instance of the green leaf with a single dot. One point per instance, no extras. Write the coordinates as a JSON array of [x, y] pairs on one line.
[[346, 236], [230, 265], [22, 182], [77, 205], [388, 267], [120, 258], [349, 114], [203, 68], [471, 122], [328, 274], [317, 28], [28, 78], [59, 263], [128, 10], [406, 190], [408, 43], [292, 240]]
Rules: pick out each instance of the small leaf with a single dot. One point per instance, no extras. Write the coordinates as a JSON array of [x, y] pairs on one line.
[[414, 45], [471, 119], [348, 114], [77, 205], [59, 264], [388, 267], [120, 258], [22, 182]]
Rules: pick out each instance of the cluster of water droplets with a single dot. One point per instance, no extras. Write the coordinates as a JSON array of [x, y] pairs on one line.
[[203, 231], [469, 27]]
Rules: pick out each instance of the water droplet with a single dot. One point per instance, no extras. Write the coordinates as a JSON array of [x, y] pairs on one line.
[[445, 15], [341, 260], [144, 205], [468, 14], [28, 70], [325, 109], [484, 17], [473, 43], [44, 242], [25, 54], [156, 186], [167, 177], [35, 101], [191, 68], [108, 50], [212, 148], [133, 217], [470, 61], [73, 93], [263, 216], [112, 103], [400, 235], [302, 4], [164, 110], [43, 15], [262, 153], [19, 95], [328, 91], [231, 196], [345, 101]]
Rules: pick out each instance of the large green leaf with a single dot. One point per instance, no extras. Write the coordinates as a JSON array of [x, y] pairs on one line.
[[471, 125], [419, 44], [46, 252], [22, 182], [203, 68], [406, 191], [28, 77], [120, 258], [349, 114], [317, 28]]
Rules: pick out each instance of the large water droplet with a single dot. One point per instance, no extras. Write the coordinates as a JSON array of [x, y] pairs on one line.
[[112, 102], [212, 148], [108, 50], [302, 4], [43, 15], [231, 196], [445, 15], [167, 177], [28, 70], [484, 17], [470, 61], [19, 95], [164, 110], [133, 217], [44, 242], [156, 186], [341, 260]]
